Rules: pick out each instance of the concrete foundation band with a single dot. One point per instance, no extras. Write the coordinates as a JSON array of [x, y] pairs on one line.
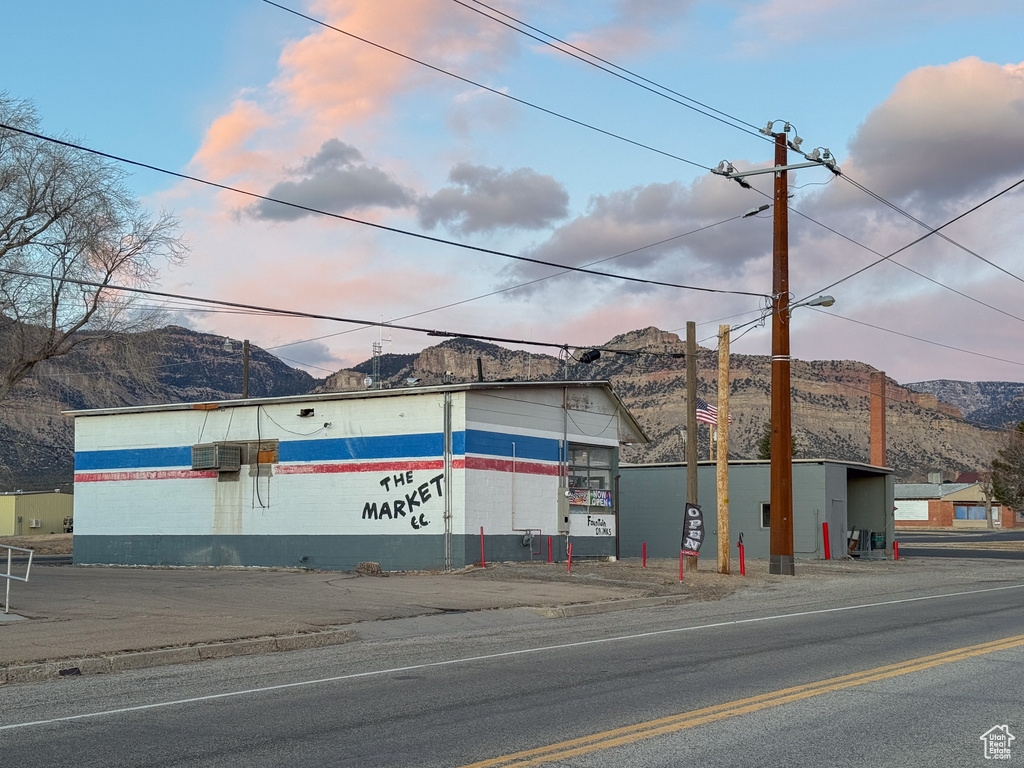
[[393, 552]]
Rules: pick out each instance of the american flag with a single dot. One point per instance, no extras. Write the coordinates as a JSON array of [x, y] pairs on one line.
[[707, 413]]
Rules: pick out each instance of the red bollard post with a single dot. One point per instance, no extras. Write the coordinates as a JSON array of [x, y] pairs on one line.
[[568, 567], [645, 554], [828, 550], [895, 550], [743, 563], [549, 549], [483, 563]]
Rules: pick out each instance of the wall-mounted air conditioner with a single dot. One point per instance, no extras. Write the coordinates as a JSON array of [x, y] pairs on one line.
[[35, 523], [216, 456]]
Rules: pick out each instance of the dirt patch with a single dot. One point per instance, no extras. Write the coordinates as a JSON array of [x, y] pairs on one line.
[[659, 578], [47, 544]]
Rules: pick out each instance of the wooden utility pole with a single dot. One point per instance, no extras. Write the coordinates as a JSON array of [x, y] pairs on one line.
[[722, 467], [690, 563], [780, 558]]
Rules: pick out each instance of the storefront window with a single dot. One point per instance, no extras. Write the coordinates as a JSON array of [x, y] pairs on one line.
[[590, 476]]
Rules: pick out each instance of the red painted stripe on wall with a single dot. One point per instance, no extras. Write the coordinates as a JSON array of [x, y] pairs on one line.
[[506, 465], [362, 466], [470, 462], [153, 474]]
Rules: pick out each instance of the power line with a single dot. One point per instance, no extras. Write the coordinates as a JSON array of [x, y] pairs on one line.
[[318, 316], [594, 58], [923, 340], [523, 285], [918, 221], [925, 236], [750, 325], [756, 132], [890, 256], [912, 337], [383, 227], [494, 91]]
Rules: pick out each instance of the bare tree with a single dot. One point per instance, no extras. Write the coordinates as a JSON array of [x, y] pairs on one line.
[[1008, 471], [66, 214], [985, 484]]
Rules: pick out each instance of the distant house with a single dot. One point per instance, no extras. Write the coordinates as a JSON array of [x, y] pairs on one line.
[[30, 513], [948, 505], [414, 478]]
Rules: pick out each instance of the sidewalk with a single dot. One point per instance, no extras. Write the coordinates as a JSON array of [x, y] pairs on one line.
[[69, 614]]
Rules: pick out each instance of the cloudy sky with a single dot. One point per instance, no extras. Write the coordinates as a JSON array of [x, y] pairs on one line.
[[920, 102]]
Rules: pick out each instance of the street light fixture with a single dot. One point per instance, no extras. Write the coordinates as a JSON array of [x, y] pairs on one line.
[[821, 301]]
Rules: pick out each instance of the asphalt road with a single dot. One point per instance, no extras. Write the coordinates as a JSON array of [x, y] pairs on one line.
[[958, 544], [966, 537], [455, 690]]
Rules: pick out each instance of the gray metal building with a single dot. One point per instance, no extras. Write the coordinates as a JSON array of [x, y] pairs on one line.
[[846, 495]]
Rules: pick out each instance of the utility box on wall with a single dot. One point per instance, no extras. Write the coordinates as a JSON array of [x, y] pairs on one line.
[[216, 456], [563, 510]]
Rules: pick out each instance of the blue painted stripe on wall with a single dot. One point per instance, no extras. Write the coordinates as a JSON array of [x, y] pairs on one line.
[[500, 444], [133, 458], [474, 441], [376, 447]]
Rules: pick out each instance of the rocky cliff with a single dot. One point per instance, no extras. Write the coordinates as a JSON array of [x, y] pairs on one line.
[[988, 403], [926, 431]]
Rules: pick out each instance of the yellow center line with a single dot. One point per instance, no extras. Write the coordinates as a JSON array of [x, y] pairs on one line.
[[639, 731]]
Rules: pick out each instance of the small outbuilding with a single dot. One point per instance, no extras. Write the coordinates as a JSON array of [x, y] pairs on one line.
[[32, 513], [856, 500], [415, 478]]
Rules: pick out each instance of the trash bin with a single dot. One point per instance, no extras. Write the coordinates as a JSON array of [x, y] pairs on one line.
[[878, 541]]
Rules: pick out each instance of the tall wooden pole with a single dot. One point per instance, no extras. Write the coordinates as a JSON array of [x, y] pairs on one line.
[[780, 559], [722, 467], [690, 563]]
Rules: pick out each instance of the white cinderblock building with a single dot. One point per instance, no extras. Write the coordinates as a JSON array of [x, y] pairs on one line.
[[404, 477]]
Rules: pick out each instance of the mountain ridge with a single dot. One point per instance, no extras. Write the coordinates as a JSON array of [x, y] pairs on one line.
[[830, 398]]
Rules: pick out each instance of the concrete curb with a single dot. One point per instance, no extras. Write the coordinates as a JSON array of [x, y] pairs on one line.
[[97, 665], [590, 609]]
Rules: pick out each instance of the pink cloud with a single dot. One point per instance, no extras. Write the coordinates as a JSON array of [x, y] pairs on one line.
[[224, 152], [945, 132]]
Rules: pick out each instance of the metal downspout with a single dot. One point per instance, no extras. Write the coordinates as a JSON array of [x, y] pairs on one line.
[[448, 481]]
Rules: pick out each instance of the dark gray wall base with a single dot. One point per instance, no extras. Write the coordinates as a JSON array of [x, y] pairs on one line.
[[342, 553]]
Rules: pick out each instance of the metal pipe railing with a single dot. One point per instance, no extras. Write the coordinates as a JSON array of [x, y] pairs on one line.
[[9, 577]]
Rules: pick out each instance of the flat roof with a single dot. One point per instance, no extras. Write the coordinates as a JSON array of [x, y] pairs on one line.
[[766, 462], [369, 394]]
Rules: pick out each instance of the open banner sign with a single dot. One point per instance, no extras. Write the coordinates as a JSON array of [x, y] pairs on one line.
[[693, 530]]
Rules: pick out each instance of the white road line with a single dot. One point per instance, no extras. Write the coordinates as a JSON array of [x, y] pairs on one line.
[[490, 656]]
